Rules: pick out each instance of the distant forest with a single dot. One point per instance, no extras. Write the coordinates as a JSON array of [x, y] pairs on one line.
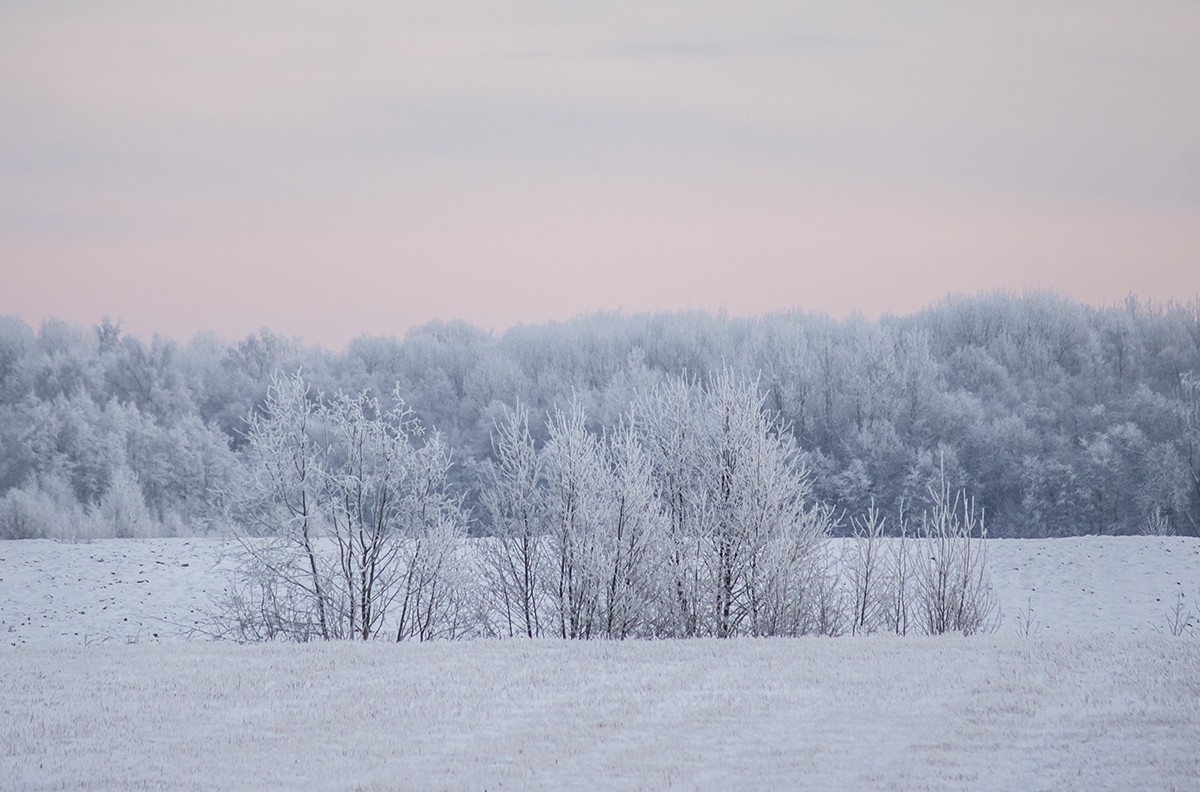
[[1057, 418]]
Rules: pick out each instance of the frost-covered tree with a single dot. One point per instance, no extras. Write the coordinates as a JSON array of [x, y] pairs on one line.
[[578, 505], [350, 531], [671, 432], [285, 591], [513, 499], [577, 531], [1190, 441], [1060, 418], [636, 591], [867, 572], [952, 587], [742, 524], [768, 527], [122, 510]]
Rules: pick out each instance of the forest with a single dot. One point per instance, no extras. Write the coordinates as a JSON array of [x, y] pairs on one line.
[[1058, 418]]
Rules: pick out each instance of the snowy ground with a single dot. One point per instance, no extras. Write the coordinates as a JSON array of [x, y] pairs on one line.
[[97, 691], [126, 590], [998, 713], [122, 590]]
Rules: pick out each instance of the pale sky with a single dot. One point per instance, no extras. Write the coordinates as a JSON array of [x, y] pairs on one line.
[[334, 169]]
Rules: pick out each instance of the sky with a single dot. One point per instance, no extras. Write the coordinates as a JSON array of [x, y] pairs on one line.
[[336, 169]]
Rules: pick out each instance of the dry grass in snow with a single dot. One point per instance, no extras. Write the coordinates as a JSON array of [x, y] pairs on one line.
[[1097, 697], [855, 713]]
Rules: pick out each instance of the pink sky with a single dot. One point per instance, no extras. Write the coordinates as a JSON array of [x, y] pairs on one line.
[[329, 174]]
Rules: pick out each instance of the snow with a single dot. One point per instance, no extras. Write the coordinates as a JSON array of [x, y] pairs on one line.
[[1095, 584], [147, 590], [99, 691], [915, 713], [124, 590]]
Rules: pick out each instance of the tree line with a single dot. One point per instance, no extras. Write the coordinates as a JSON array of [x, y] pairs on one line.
[[1059, 418]]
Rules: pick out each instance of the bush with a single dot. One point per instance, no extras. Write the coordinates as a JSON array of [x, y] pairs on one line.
[[953, 589], [46, 509], [122, 512]]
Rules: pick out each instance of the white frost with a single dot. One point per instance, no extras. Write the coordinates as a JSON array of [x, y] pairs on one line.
[[1098, 699]]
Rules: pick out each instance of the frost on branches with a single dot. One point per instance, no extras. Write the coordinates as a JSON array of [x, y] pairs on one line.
[[348, 528], [693, 516]]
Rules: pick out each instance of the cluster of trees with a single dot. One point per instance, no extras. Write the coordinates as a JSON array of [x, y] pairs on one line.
[[1060, 418], [693, 516], [347, 527], [101, 435]]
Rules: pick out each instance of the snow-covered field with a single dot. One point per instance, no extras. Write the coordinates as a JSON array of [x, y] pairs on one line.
[[99, 691], [128, 591]]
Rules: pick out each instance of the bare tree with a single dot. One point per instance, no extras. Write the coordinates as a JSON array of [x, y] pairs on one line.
[[953, 588], [577, 499], [743, 526], [898, 562], [513, 499], [282, 587], [777, 526], [866, 571], [1189, 408], [349, 530], [670, 431], [635, 596], [1156, 524]]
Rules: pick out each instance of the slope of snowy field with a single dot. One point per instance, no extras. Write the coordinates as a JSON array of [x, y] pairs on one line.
[[1095, 584], [99, 691], [984, 713], [126, 590]]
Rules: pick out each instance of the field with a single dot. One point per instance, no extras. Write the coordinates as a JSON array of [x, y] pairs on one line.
[[99, 690]]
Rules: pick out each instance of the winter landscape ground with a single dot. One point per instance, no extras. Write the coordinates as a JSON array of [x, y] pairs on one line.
[[99, 689]]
